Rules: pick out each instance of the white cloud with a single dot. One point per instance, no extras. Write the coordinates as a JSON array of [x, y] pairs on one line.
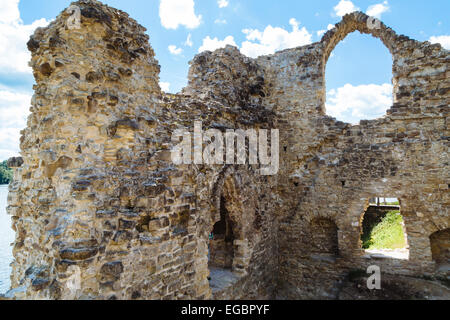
[[220, 21], [443, 40], [378, 9], [344, 7], [213, 44], [188, 41], [174, 13], [14, 35], [322, 32], [364, 102], [174, 50], [165, 86], [274, 39], [14, 108], [222, 3]]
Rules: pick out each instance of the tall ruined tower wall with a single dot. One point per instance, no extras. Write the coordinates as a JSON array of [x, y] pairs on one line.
[[101, 212]]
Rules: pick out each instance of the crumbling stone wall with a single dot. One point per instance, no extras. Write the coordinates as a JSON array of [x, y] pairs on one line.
[[101, 212], [440, 246], [334, 168]]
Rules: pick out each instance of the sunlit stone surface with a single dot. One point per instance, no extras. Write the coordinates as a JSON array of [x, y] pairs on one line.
[[101, 212]]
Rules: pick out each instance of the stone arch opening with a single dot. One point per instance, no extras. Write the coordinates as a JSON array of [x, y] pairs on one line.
[[324, 237], [440, 249], [383, 230], [221, 241], [372, 95]]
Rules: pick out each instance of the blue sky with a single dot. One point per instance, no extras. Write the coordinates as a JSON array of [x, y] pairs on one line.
[[358, 73]]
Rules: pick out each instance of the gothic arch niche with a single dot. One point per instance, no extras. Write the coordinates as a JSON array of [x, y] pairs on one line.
[[324, 237], [384, 92], [232, 234], [383, 232]]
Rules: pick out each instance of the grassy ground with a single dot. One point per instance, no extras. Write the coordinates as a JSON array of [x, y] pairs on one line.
[[388, 234]]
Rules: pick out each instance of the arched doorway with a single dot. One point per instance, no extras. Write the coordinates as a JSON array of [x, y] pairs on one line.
[[383, 231], [231, 237]]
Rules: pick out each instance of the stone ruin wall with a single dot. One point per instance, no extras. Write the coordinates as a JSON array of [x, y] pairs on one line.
[[100, 211]]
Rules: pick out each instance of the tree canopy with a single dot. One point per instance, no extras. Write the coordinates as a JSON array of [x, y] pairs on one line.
[[6, 173]]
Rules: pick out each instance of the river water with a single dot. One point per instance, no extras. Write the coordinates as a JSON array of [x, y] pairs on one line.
[[6, 238]]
